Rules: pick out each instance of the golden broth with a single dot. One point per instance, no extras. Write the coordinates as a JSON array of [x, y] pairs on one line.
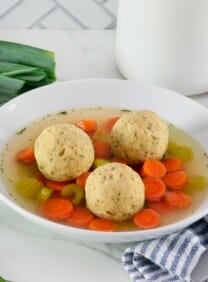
[[12, 171]]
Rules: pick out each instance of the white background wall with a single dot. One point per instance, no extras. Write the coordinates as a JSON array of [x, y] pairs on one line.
[[58, 14]]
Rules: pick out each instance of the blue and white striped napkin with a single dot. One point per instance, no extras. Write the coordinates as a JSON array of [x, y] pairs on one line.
[[170, 258]]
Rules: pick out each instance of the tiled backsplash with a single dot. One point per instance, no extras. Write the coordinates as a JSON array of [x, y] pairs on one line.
[[58, 14]]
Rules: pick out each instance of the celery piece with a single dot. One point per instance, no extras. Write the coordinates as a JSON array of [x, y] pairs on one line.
[[27, 55], [74, 190], [45, 193], [29, 187], [196, 183], [185, 153], [99, 162], [172, 149]]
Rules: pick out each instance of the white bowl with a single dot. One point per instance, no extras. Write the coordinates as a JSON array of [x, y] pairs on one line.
[[172, 106]]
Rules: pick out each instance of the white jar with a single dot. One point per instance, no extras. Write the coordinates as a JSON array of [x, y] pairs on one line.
[[164, 42]]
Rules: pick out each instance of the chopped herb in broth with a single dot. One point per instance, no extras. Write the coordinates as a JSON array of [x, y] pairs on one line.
[[21, 131], [62, 113], [181, 145], [125, 110]]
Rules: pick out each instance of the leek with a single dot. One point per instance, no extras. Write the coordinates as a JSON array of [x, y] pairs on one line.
[[28, 55], [22, 72], [36, 75], [10, 69], [23, 68], [9, 88]]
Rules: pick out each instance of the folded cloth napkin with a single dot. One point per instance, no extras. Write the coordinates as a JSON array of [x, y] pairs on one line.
[[170, 258]]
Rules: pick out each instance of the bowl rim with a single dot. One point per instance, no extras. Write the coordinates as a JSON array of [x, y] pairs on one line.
[[173, 227], [101, 80]]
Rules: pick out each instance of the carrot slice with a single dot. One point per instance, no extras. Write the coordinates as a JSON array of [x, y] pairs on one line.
[[99, 224], [57, 208], [81, 217], [26, 156], [153, 168], [102, 150], [81, 180], [154, 188], [109, 124], [147, 218], [160, 206], [88, 125], [178, 199], [58, 186], [173, 164], [176, 180]]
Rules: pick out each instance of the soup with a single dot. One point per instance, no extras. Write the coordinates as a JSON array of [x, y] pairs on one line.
[[194, 164]]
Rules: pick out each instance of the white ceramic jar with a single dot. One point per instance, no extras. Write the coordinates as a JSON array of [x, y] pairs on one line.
[[164, 42]]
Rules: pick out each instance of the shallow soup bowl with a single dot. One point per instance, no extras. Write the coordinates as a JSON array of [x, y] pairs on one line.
[[171, 106]]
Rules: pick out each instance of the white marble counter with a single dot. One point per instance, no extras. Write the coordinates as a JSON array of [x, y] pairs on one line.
[[28, 253]]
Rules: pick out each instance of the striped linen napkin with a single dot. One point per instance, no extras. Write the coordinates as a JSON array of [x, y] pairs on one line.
[[170, 258]]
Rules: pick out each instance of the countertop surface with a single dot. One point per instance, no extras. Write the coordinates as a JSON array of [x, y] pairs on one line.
[[31, 254]]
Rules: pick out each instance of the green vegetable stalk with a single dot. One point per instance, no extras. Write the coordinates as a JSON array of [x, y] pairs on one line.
[[23, 68], [9, 88], [3, 280], [74, 190], [28, 55]]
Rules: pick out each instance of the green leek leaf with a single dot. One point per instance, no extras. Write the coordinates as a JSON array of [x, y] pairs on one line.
[[23, 68], [10, 69], [34, 76], [9, 88], [28, 55]]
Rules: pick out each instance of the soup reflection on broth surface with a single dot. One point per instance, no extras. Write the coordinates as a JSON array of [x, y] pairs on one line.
[[181, 144]]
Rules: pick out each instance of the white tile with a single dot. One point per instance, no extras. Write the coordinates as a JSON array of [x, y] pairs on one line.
[[5, 5], [37, 26], [112, 6], [88, 12], [101, 1], [26, 13], [58, 19]]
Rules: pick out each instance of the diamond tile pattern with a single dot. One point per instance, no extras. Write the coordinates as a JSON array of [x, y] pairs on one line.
[[58, 14]]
